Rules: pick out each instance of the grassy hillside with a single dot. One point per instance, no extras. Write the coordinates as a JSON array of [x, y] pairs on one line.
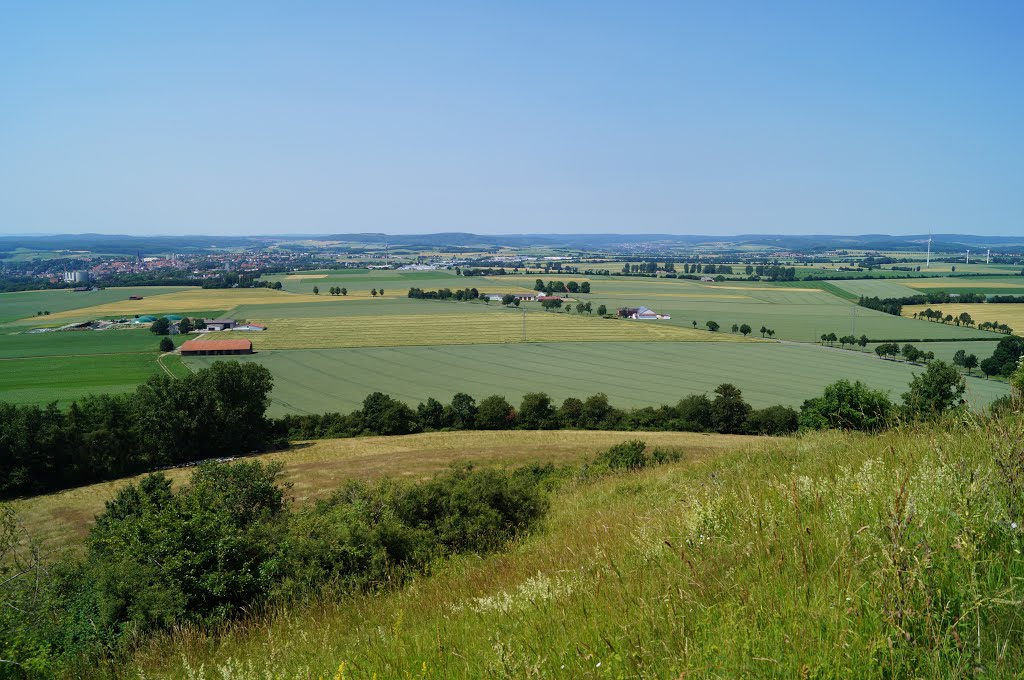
[[315, 469], [823, 556]]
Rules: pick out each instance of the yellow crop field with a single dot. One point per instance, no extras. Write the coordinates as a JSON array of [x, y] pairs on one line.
[[1012, 314], [192, 300], [400, 330]]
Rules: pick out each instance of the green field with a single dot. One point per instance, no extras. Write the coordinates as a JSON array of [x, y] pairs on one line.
[[630, 373], [64, 379], [67, 343], [15, 306]]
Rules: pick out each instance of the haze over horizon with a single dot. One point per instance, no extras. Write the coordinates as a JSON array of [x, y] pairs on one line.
[[317, 118]]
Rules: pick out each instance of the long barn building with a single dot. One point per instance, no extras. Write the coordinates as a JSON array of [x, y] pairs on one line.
[[204, 347]]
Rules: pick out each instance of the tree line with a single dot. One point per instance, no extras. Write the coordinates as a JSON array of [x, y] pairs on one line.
[[165, 422], [727, 412], [444, 294], [550, 287]]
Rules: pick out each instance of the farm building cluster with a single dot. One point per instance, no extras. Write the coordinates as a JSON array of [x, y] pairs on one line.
[[642, 313]]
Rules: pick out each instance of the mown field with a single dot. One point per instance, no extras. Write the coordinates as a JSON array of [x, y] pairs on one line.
[[500, 326], [315, 469], [630, 373], [1012, 314]]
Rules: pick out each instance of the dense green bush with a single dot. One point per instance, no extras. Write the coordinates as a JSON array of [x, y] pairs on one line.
[[848, 405], [625, 456]]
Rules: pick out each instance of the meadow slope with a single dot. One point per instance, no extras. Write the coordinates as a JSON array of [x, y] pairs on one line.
[[823, 556]]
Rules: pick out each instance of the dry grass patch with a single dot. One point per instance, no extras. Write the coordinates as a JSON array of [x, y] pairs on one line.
[[398, 330], [315, 469]]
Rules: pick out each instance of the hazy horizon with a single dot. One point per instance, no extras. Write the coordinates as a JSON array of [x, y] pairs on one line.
[[249, 119]]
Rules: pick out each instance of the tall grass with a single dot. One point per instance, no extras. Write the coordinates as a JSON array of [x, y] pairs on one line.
[[825, 556]]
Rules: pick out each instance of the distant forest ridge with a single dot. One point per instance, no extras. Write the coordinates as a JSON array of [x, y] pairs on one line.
[[126, 244]]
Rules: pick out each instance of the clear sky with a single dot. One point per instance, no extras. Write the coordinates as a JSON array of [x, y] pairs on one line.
[[684, 117]]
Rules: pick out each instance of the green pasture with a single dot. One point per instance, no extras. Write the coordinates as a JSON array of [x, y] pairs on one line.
[[883, 288], [15, 306], [64, 379], [67, 343], [630, 373]]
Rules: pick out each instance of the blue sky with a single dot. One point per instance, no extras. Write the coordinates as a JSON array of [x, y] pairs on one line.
[[714, 118]]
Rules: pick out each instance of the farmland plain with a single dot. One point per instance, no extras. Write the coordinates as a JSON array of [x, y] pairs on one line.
[[630, 373], [305, 330]]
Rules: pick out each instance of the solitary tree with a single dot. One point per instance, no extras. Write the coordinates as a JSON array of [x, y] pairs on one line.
[[763, 329], [712, 326], [862, 341], [745, 329], [185, 325], [601, 310], [161, 326], [970, 362], [380, 292], [939, 388], [735, 328], [373, 292], [694, 323], [316, 290], [166, 344], [344, 291]]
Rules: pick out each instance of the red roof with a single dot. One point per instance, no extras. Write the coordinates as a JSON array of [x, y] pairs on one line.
[[203, 345]]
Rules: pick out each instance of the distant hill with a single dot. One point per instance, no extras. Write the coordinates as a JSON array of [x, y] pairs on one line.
[[127, 244]]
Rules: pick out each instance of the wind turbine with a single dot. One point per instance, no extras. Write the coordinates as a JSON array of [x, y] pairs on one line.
[[928, 258], [988, 256], [968, 256]]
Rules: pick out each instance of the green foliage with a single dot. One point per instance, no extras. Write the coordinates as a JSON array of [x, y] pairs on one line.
[[536, 412], [165, 422], [161, 326], [939, 388], [625, 456], [729, 411], [495, 413], [773, 420], [166, 345], [847, 405], [156, 559]]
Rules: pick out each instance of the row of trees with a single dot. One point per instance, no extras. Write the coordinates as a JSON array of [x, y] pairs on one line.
[[443, 294], [908, 352], [727, 412], [165, 422], [550, 287], [333, 290], [745, 329]]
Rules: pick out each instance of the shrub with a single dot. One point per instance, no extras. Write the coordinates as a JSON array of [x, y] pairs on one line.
[[628, 455], [847, 406]]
